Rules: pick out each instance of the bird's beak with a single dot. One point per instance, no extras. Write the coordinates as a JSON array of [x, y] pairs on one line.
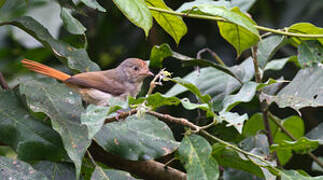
[[147, 73]]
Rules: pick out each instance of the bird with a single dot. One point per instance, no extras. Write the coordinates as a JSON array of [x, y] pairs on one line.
[[97, 87]]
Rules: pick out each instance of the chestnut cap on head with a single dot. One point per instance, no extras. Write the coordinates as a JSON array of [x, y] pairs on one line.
[[135, 69]]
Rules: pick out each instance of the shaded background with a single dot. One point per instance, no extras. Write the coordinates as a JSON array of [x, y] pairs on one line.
[[112, 38]]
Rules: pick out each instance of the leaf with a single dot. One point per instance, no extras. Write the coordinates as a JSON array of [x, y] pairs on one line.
[[155, 100], [189, 6], [229, 158], [137, 12], [137, 138], [172, 24], [55, 171], [294, 175], [316, 133], [195, 153], [105, 174], [76, 59], [244, 5], [234, 119], [64, 108], [71, 24], [31, 139], [255, 124], [301, 146], [158, 54], [305, 28], [16, 169], [310, 53], [94, 116], [2, 2], [316, 167], [93, 4], [233, 174], [246, 93], [299, 93], [268, 47], [278, 64]]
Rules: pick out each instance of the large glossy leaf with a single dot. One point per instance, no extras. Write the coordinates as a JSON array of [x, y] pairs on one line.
[[56, 171], [302, 145], [173, 25], [137, 12], [76, 59], [71, 24], [137, 138], [316, 133], [106, 174], [64, 108], [31, 139], [305, 28], [195, 153], [310, 53], [294, 175], [268, 47], [93, 4], [16, 169], [299, 93]]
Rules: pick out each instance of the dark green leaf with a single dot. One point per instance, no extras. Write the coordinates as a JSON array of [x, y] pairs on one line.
[[195, 153], [310, 53], [64, 108], [302, 145], [93, 4], [234, 119], [316, 133], [268, 47], [16, 169], [71, 24], [137, 138], [173, 25], [76, 59], [105, 174], [294, 175], [233, 174], [56, 171], [305, 28], [31, 139], [278, 64], [137, 12], [299, 93]]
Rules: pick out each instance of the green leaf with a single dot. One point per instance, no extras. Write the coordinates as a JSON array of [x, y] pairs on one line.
[[246, 93], [2, 2], [94, 5], [76, 59], [278, 64], [137, 12], [294, 175], [55, 171], [31, 139], [301, 146], [105, 174], [255, 124], [230, 158], [195, 153], [155, 100], [71, 24], [268, 47], [310, 53], [234, 119], [316, 133], [150, 138], [299, 93], [64, 108], [305, 28], [158, 54], [173, 25], [244, 5], [16, 169], [94, 116]]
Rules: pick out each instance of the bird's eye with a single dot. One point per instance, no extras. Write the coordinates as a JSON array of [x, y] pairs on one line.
[[135, 68]]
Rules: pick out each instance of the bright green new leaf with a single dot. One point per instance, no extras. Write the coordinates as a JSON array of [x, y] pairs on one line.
[[301, 146], [64, 108], [93, 4], [255, 124], [150, 138], [305, 28], [71, 24], [55, 169], [195, 154], [106, 174], [173, 25], [137, 12], [310, 53]]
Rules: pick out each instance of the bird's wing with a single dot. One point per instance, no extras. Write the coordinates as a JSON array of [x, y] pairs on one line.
[[98, 81]]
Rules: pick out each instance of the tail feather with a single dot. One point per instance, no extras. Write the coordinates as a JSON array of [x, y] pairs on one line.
[[45, 70]]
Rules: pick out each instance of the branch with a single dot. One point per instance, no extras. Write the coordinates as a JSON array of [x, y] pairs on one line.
[[145, 169], [3, 82], [214, 18]]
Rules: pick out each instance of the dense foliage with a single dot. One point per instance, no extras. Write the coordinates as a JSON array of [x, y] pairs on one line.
[[214, 122]]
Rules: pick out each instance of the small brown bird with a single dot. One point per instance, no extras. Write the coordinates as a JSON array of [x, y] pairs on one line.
[[97, 87]]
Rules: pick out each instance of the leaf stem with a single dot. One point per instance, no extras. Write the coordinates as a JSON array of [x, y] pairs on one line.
[[3, 82], [214, 18]]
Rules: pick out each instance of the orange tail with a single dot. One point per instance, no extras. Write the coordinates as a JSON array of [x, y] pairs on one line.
[[45, 70]]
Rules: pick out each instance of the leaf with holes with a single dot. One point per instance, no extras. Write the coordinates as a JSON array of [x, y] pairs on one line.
[[195, 154], [64, 108], [310, 53], [137, 138]]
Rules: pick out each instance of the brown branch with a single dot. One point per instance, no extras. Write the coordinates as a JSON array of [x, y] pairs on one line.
[[3, 82], [144, 169]]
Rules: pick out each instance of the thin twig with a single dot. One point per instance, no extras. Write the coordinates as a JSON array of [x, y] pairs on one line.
[[3, 82], [170, 161], [215, 55]]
